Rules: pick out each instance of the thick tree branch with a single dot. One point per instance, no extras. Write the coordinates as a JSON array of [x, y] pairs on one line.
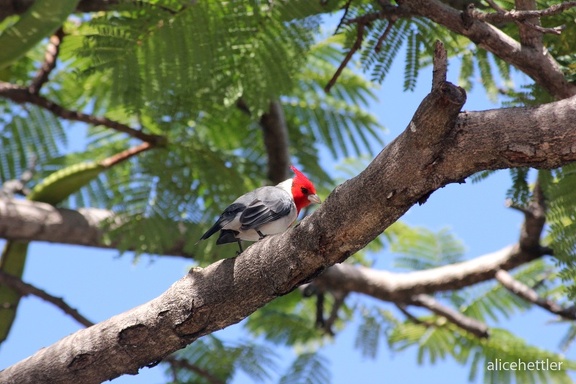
[[520, 289], [25, 289], [33, 221], [22, 95], [438, 147], [475, 327]]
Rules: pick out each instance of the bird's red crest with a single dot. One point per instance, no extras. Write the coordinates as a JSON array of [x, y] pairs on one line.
[[302, 187]]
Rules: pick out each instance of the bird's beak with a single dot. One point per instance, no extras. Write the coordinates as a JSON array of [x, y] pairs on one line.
[[314, 199]]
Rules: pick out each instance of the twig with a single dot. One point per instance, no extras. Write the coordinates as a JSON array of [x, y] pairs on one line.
[[502, 16], [498, 8], [125, 155], [355, 47], [346, 8], [23, 95], [26, 289], [522, 290], [49, 63], [184, 364], [469, 324], [411, 317], [381, 39]]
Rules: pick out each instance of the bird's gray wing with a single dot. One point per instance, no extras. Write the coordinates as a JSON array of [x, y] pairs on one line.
[[269, 204]]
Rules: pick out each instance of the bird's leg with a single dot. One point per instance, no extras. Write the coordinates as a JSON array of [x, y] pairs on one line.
[[239, 246], [260, 234]]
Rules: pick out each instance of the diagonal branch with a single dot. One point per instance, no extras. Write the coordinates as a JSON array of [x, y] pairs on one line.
[[475, 327], [22, 95], [227, 291], [52, 51], [25, 289], [520, 289], [355, 47], [185, 364]]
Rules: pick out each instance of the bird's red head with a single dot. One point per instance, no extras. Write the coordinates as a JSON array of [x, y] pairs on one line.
[[303, 190]]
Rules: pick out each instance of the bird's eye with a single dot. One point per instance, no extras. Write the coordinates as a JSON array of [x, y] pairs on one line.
[[304, 190]]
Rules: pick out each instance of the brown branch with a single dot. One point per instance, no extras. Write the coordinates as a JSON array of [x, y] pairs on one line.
[[522, 14], [23, 95], [25, 289], [185, 364], [34, 221], [346, 8], [539, 66], [49, 63], [355, 47], [469, 324], [125, 155], [275, 133], [522, 290], [439, 65], [384, 35]]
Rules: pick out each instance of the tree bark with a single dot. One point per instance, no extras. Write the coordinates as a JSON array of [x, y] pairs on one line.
[[440, 146]]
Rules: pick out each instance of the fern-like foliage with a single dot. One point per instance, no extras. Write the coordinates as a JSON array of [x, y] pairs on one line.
[[338, 119], [287, 320], [442, 340], [308, 368], [162, 54], [421, 248], [211, 358], [562, 220], [26, 134]]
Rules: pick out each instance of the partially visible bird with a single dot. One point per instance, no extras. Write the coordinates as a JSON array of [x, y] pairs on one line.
[[264, 211]]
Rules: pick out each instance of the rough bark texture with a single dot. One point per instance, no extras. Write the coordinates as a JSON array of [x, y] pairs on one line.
[[438, 147]]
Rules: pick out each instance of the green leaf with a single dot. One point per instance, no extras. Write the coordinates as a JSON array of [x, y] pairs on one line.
[[39, 21]]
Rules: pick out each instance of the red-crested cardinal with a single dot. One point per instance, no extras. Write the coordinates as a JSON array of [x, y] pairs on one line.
[[264, 211]]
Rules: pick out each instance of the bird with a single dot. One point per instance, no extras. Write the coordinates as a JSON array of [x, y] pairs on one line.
[[264, 211]]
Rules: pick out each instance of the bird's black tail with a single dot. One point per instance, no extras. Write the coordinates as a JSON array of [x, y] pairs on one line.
[[215, 228]]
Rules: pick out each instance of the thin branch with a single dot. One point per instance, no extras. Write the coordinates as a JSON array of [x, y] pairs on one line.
[[521, 15], [346, 8], [25, 289], [469, 324], [355, 47], [496, 7], [522, 290], [176, 363], [384, 35], [49, 63], [23, 95], [402, 308], [126, 154]]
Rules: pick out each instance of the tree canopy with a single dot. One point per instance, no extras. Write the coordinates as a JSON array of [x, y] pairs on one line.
[[186, 105]]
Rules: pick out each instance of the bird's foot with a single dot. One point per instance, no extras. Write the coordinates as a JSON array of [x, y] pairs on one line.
[[261, 235]]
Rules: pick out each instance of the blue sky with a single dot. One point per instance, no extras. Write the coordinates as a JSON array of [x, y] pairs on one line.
[[101, 284]]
